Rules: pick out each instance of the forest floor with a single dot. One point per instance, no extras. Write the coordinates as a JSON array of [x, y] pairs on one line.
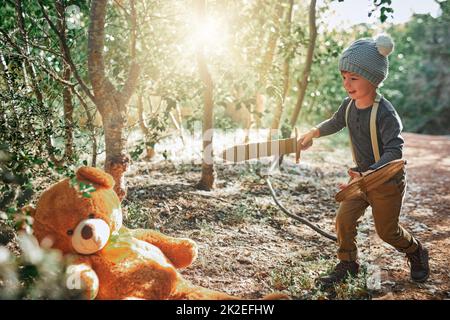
[[248, 247]]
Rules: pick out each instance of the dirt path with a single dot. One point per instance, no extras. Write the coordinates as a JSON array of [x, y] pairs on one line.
[[426, 214]]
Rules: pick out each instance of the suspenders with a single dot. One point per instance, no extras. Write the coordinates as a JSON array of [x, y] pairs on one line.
[[373, 128]]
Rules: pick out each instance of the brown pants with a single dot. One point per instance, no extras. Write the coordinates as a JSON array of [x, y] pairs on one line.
[[386, 202]]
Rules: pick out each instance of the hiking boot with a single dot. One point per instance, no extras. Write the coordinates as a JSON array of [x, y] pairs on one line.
[[418, 262], [342, 271]]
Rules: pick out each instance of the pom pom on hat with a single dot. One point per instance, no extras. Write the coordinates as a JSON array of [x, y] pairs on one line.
[[385, 44]]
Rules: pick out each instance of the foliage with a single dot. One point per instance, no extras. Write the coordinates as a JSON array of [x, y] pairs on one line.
[[85, 189], [31, 127], [36, 273], [420, 74]]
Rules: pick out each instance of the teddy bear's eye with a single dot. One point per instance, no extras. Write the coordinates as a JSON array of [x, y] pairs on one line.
[[92, 216], [69, 232]]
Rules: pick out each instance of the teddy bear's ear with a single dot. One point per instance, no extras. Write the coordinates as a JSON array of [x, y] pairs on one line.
[[96, 176], [29, 209]]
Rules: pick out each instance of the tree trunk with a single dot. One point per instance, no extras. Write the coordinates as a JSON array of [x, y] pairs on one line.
[[286, 68], [303, 82], [207, 179], [117, 160], [68, 117], [111, 103], [67, 93]]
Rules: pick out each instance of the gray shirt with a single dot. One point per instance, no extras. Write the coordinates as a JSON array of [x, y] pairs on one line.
[[389, 127]]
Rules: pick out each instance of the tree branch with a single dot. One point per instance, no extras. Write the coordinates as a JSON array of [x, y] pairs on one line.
[[296, 217], [65, 47], [90, 125], [96, 41], [41, 63], [133, 73]]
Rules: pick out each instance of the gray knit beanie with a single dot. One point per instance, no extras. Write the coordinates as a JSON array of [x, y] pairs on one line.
[[368, 58]]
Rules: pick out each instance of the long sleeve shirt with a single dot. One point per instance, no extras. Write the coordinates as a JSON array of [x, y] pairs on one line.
[[389, 128]]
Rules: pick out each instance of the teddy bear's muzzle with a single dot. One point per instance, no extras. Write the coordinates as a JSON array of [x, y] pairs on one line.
[[87, 232], [90, 236]]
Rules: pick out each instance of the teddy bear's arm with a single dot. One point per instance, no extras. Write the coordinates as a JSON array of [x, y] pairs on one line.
[[180, 251], [81, 275]]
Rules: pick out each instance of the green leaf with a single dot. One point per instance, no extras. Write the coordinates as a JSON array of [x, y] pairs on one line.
[[86, 195]]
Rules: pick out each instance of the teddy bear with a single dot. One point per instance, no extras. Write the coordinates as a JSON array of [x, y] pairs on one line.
[[82, 217]]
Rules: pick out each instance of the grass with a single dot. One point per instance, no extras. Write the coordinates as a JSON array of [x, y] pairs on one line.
[[353, 287], [238, 215], [135, 217], [297, 277], [205, 229]]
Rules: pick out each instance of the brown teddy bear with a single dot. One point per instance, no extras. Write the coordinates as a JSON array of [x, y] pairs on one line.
[[82, 217]]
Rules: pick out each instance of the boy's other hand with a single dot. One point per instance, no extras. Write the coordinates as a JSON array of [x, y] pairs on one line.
[[342, 186], [354, 174]]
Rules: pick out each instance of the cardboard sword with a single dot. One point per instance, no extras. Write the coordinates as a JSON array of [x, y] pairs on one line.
[[257, 150]]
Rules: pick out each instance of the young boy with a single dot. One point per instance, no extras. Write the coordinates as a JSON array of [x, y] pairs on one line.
[[364, 65]]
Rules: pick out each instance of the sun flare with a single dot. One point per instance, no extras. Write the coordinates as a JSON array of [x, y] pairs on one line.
[[211, 34]]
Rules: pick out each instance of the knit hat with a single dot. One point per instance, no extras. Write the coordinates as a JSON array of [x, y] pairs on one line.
[[368, 58]]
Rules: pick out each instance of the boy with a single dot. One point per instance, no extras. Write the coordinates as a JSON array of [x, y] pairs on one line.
[[364, 65]]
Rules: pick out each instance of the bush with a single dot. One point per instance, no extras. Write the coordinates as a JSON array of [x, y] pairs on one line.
[[36, 273]]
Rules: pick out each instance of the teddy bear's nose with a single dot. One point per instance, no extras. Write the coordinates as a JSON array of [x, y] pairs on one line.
[[87, 232]]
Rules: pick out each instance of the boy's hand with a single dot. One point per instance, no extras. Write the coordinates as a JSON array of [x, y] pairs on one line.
[[305, 141], [342, 186], [354, 175]]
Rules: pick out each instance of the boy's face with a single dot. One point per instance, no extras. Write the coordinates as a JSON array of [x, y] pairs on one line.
[[356, 86]]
